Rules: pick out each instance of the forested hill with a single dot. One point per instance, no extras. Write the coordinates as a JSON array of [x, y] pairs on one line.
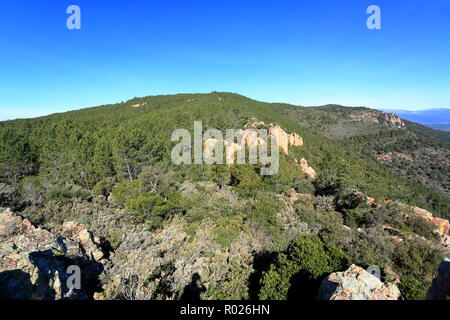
[[86, 146], [346, 193]]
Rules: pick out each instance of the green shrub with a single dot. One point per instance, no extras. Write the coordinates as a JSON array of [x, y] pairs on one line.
[[356, 218], [263, 213], [305, 262], [156, 180], [32, 190], [303, 186], [66, 194], [170, 207], [327, 184], [227, 229], [413, 288], [104, 186], [124, 191], [422, 227], [143, 204]]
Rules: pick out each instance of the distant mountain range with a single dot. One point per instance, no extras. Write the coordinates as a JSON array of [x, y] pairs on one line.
[[435, 118]]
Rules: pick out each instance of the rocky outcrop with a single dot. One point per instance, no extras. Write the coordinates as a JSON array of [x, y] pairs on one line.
[[295, 197], [295, 140], [394, 120], [389, 119], [440, 287], [356, 284], [161, 265], [390, 156], [34, 262], [441, 224], [309, 172], [250, 139], [137, 105], [369, 116], [281, 138], [284, 139], [208, 147]]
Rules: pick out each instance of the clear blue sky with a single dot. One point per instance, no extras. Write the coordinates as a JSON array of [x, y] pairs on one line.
[[301, 52]]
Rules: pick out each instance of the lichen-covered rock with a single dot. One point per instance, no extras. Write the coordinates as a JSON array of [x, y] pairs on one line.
[[440, 287], [160, 265], [356, 284], [34, 262]]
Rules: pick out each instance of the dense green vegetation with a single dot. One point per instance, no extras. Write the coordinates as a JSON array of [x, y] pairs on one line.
[[122, 152]]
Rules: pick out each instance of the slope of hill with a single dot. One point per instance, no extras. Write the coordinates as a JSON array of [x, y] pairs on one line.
[[414, 151], [244, 235], [434, 118]]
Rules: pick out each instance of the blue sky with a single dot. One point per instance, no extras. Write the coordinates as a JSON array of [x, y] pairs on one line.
[[300, 52]]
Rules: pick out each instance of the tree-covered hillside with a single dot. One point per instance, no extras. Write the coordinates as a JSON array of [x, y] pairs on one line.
[[109, 168], [88, 146]]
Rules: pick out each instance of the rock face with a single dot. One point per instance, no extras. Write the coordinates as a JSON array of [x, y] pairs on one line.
[[208, 147], [440, 288], [170, 261], [368, 116], [356, 284], [393, 120], [309, 172], [389, 157], [284, 140], [250, 139], [34, 262], [441, 224], [389, 119]]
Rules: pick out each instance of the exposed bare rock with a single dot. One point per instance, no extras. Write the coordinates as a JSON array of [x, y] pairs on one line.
[[309, 172], [256, 124], [441, 224], [369, 116], [295, 197], [251, 140], [390, 156], [71, 229], [281, 138], [34, 262], [295, 140], [137, 105], [440, 287], [231, 150], [356, 284], [394, 120], [389, 119], [170, 259], [208, 147]]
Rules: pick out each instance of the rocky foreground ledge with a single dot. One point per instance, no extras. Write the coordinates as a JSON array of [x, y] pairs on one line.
[[356, 284], [35, 264]]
